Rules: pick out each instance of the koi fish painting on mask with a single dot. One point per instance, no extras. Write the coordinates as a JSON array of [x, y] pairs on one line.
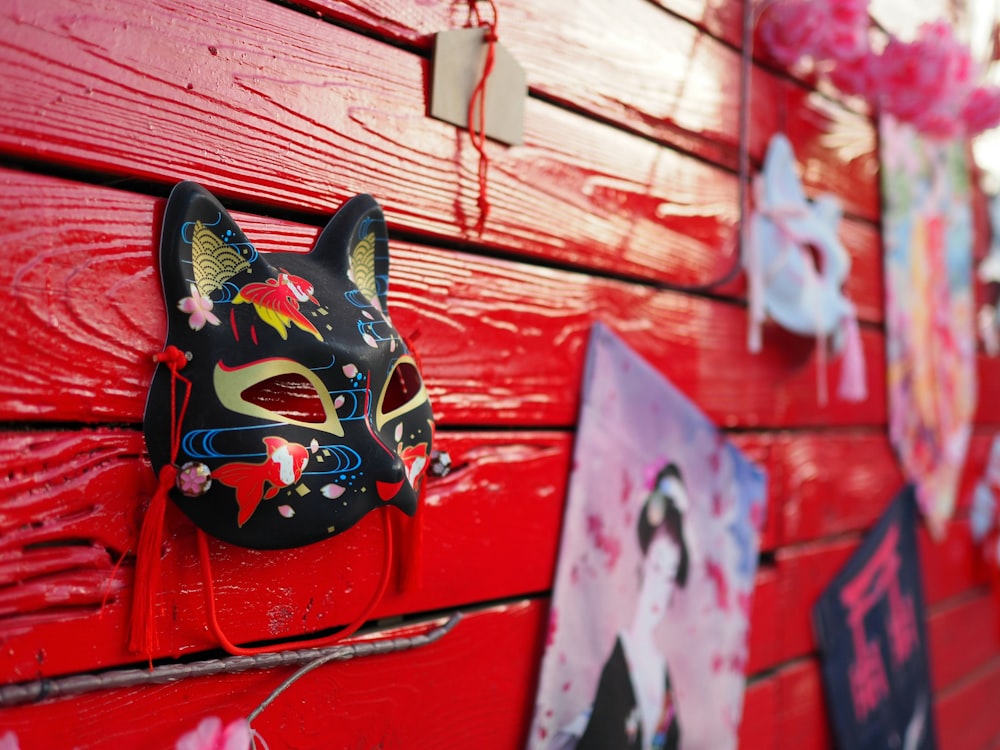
[[307, 409]]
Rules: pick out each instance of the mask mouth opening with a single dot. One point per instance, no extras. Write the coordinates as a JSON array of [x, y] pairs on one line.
[[404, 385], [289, 395]]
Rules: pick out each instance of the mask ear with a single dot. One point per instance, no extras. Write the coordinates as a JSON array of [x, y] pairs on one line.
[[356, 243], [201, 246]]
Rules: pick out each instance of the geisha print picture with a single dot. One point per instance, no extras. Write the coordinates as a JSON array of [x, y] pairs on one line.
[[306, 408]]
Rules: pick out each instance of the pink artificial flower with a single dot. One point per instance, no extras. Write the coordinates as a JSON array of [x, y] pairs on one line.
[[858, 76], [981, 110], [940, 122], [845, 23], [832, 30], [926, 81], [199, 308], [211, 735], [791, 30]]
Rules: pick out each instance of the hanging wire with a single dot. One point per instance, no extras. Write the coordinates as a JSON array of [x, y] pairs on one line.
[[38, 690]]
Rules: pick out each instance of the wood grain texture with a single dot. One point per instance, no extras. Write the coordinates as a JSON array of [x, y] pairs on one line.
[[761, 706], [426, 698], [323, 124], [495, 531], [783, 707], [798, 717], [651, 72], [950, 568], [965, 714], [625, 186], [73, 505], [963, 635], [792, 708], [80, 286], [62, 553]]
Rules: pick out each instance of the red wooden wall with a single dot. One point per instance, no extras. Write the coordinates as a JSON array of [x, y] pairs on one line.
[[625, 188]]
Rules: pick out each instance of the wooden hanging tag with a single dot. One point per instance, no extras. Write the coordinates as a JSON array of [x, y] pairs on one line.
[[459, 56]]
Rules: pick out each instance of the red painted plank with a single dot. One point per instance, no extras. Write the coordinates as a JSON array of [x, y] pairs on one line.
[[952, 565], [73, 509], [820, 488], [298, 113], [490, 533], [803, 574], [328, 123], [760, 710], [966, 713], [802, 714], [949, 568], [784, 709], [765, 615], [963, 635], [425, 698], [825, 488], [79, 258], [810, 569], [77, 493], [797, 715], [648, 71], [100, 473]]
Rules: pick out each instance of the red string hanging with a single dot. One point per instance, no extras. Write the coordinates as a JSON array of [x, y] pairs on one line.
[[346, 631], [477, 104], [143, 638]]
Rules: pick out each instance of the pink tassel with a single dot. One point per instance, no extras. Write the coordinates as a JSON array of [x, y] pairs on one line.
[[853, 381]]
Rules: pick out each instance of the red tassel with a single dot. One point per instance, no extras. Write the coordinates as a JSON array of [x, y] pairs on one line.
[[477, 103], [143, 638]]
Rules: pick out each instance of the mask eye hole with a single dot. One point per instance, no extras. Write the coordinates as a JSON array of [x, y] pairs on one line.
[[289, 395], [403, 386], [277, 390]]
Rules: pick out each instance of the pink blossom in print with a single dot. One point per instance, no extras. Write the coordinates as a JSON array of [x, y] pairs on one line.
[[553, 626], [212, 735], [199, 308], [603, 542], [194, 479], [718, 578], [8, 741]]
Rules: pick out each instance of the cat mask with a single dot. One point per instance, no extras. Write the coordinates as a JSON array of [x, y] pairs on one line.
[[801, 292], [306, 409]]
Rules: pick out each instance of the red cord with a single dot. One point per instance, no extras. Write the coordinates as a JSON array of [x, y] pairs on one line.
[[143, 637], [348, 630], [478, 101]]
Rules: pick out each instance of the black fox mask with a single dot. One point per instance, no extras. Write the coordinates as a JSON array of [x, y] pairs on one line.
[[307, 410]]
